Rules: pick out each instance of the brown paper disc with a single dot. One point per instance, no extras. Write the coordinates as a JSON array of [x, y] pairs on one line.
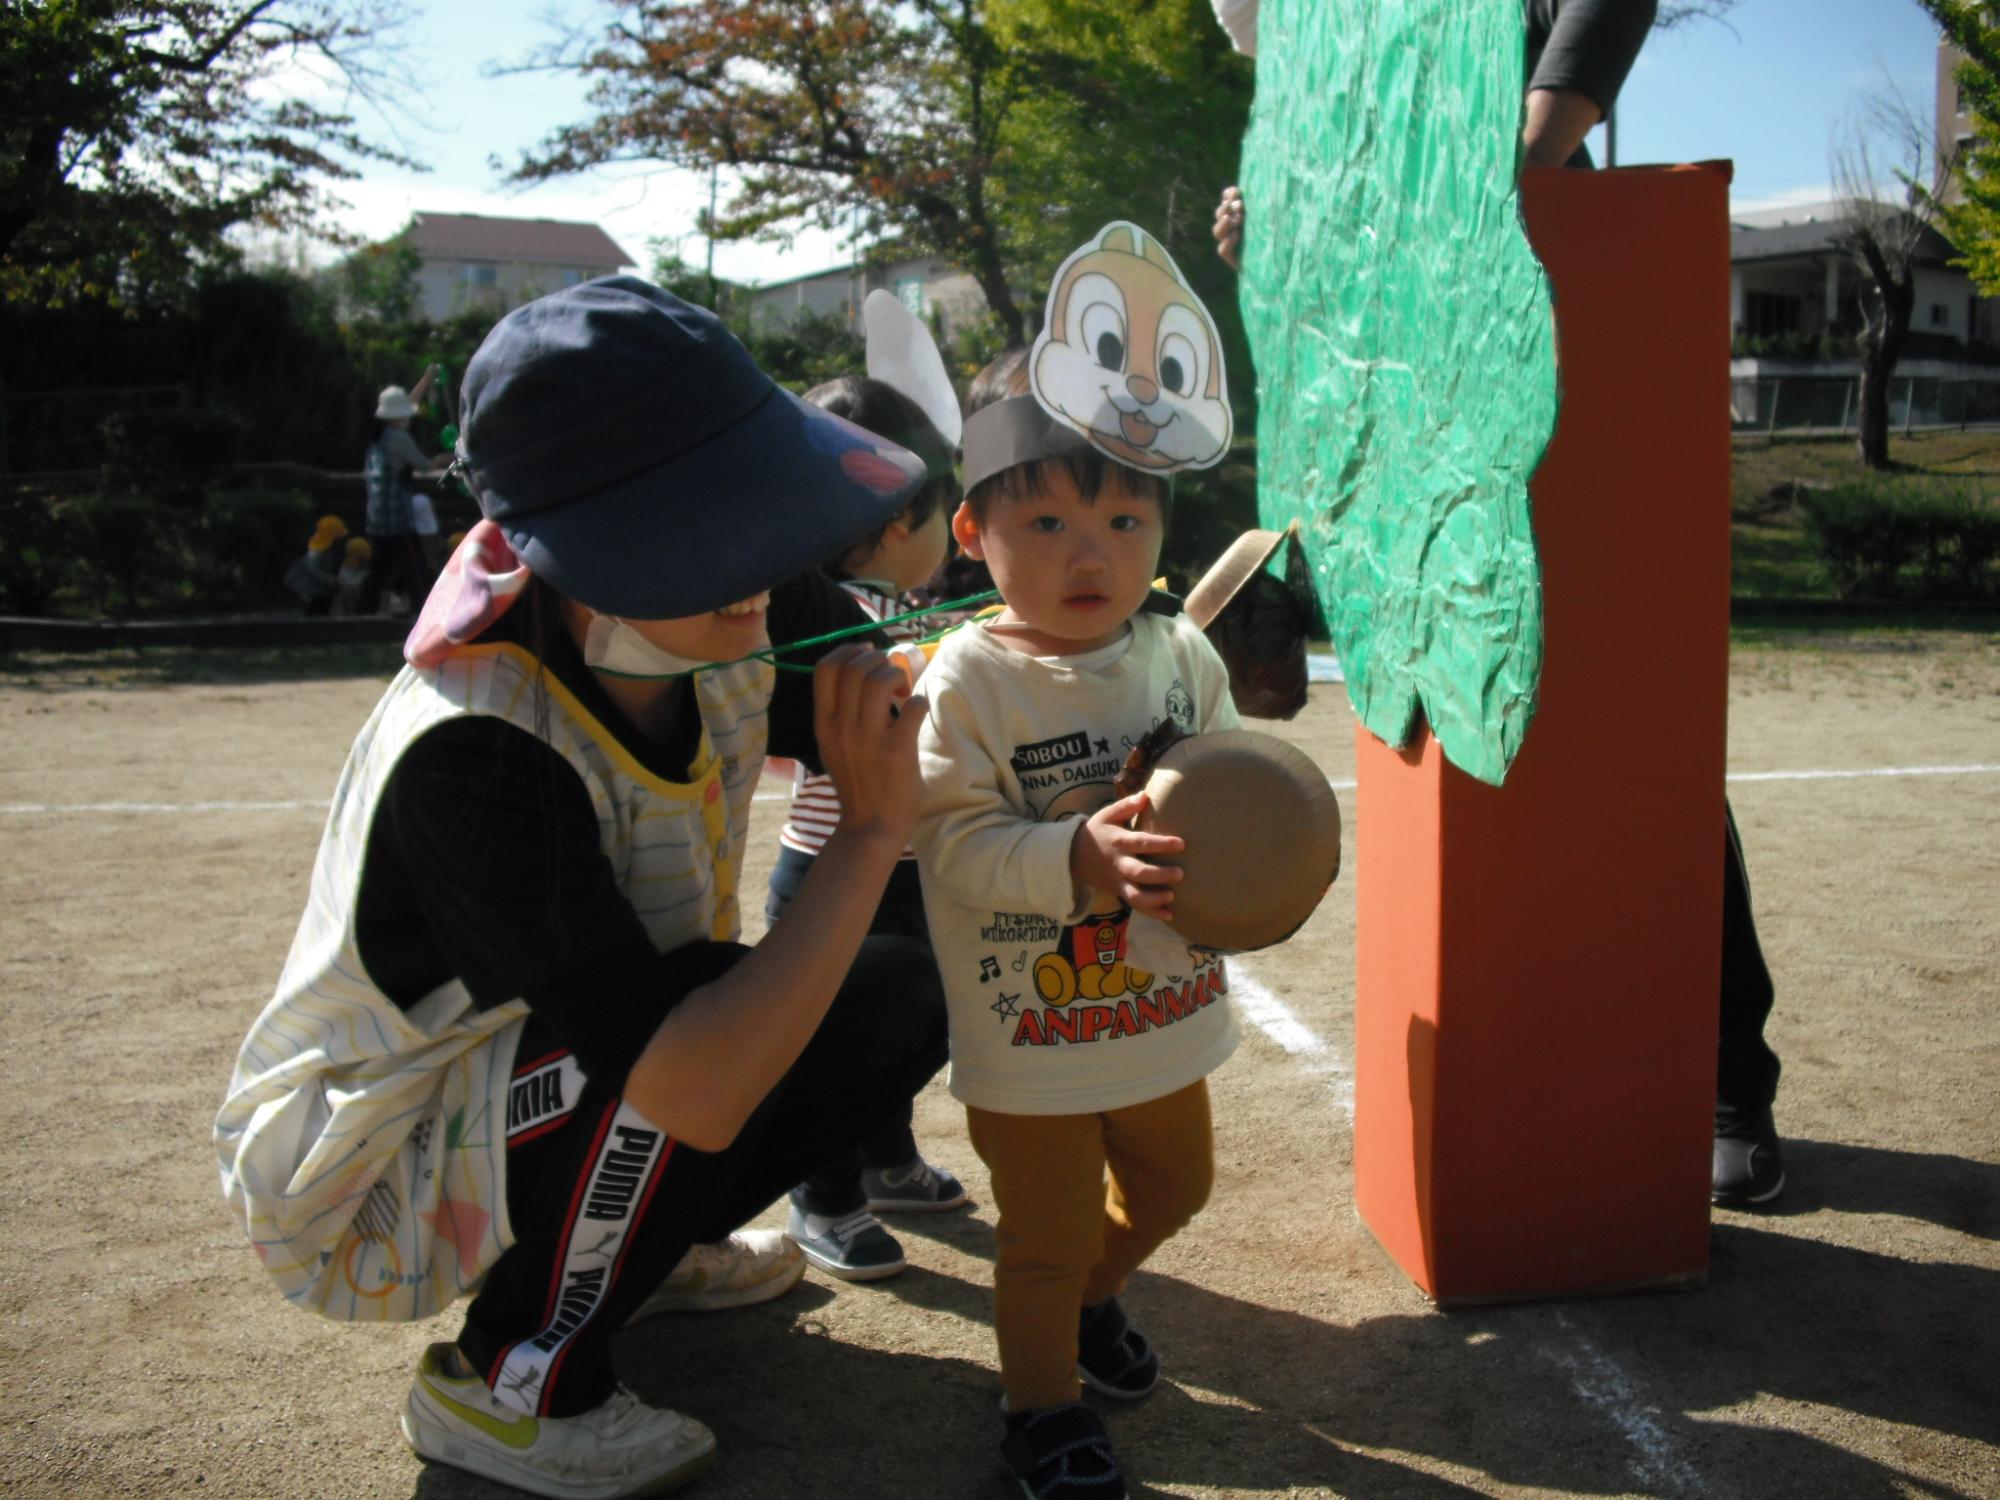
[[1263, 836]]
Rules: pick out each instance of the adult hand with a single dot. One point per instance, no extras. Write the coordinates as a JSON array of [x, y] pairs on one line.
[[1229, 227], [865, 721], [1109, 857]]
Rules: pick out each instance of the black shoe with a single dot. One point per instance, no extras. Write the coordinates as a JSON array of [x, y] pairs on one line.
[[1061, 1453], [1749, 1167], [1112, 1356]]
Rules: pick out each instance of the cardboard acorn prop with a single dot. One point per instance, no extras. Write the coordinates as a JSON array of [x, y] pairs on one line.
[[1262, 830], [1258, 623]]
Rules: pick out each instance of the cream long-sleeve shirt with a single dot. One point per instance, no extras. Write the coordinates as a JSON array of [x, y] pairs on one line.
[[1056, 1009]]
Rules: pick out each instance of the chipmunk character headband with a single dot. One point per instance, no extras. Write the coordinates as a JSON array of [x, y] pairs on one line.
[[1128, 363]]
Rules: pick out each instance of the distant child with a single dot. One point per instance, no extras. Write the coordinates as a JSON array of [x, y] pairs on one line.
[[315, 577], [1082, 1029], [833, 1212], [356, 562]]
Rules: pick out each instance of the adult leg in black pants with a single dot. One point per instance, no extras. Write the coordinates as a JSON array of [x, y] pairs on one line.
[[1749, 1165], [603, 1205]]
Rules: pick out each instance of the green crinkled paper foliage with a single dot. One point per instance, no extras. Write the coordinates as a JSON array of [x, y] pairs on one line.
[[1405, 353]]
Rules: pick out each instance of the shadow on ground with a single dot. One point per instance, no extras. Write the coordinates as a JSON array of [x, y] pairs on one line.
[[1619, 1395], [1948, 1191]]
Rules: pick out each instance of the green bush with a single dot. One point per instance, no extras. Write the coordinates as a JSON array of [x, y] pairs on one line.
[[1212, 507], [31, 553], [241, 546], [121, 550], [170, 454], [117, 553], [1884, 541]]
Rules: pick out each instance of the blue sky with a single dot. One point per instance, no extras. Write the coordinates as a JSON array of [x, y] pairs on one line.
[[1767, 91]]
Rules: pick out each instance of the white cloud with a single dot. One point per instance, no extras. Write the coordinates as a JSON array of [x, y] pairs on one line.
[[1798, 197]]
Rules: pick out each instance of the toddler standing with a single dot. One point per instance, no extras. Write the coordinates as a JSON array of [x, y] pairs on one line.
[[1082, 1028]]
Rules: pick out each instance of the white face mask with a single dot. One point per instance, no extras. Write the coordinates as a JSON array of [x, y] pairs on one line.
[[611, 645]]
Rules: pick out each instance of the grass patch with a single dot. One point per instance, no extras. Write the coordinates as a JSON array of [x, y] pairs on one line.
[[1872, 634], [1760, 466], [1772, 556], [1772, 559], [168, 666]]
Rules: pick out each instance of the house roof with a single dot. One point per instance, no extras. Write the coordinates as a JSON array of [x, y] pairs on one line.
[[537, 242], [1815, 230]]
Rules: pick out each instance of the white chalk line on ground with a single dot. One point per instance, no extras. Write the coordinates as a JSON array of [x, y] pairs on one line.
[[1603, 1383], [312, 805], [1852, 775], [1597, 1379], [1275, 1019], [24, 809]]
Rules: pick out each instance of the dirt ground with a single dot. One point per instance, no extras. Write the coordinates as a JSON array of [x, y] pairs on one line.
[[1846, 1345]]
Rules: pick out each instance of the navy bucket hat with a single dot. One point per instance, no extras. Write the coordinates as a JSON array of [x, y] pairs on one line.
[[640, 463]]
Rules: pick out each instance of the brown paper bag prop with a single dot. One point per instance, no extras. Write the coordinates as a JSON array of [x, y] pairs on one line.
[[1262, 830], [1258, 624]]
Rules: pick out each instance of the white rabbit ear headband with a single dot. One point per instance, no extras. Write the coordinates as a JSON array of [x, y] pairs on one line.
[[1128, 363], [902, 355]]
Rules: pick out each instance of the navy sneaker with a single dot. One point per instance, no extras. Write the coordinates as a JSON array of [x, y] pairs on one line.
[[916, 1187], [852, 1247], [1112, 1356], [1749, 1166], [1061, 1453]]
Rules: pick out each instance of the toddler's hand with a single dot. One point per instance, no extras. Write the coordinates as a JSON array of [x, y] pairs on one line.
[[1108, 857], [1229, 228]]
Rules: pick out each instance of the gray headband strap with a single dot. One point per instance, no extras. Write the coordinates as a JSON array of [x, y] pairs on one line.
[[1015, 431]]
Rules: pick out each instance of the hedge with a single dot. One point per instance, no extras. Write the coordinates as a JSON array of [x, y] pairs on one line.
[[1878, 540]]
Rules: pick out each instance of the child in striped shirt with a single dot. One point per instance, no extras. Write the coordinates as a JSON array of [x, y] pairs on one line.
[[833, 1212]]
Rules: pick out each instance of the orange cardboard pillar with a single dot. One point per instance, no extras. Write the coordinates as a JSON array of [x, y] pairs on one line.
[[1537, 964]]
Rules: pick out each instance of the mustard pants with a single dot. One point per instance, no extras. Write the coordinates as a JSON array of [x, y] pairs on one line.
[[1068, 1239]]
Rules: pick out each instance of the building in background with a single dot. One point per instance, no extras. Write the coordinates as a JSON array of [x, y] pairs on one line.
[[1791, 277], [1795, 305], [946, 298], [475, 260]]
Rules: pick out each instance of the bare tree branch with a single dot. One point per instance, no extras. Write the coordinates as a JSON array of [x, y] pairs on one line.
[[1674, 13], [1889, 183]]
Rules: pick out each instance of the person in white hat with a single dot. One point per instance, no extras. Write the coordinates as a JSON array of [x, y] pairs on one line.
[[397, 560]]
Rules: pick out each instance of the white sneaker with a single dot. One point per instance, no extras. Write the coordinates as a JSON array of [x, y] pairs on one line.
[[752, 1265], [618, 1449]]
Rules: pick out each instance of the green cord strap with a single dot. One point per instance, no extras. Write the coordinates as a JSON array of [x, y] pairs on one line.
[[772, 653]]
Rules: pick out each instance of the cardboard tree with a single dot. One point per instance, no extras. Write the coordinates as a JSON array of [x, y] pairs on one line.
[[1538, 934]]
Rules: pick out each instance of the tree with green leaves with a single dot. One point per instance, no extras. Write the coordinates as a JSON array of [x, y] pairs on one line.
[[1138, 114], [135, 134], [378, 282], [1973, 220], [880, 117]]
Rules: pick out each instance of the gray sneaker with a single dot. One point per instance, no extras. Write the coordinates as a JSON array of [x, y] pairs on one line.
[[853, 1247], [916, 1187]]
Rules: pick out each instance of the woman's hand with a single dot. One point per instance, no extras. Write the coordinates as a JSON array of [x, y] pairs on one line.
[[1111, 858], [865, 719], [1229, 228]]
